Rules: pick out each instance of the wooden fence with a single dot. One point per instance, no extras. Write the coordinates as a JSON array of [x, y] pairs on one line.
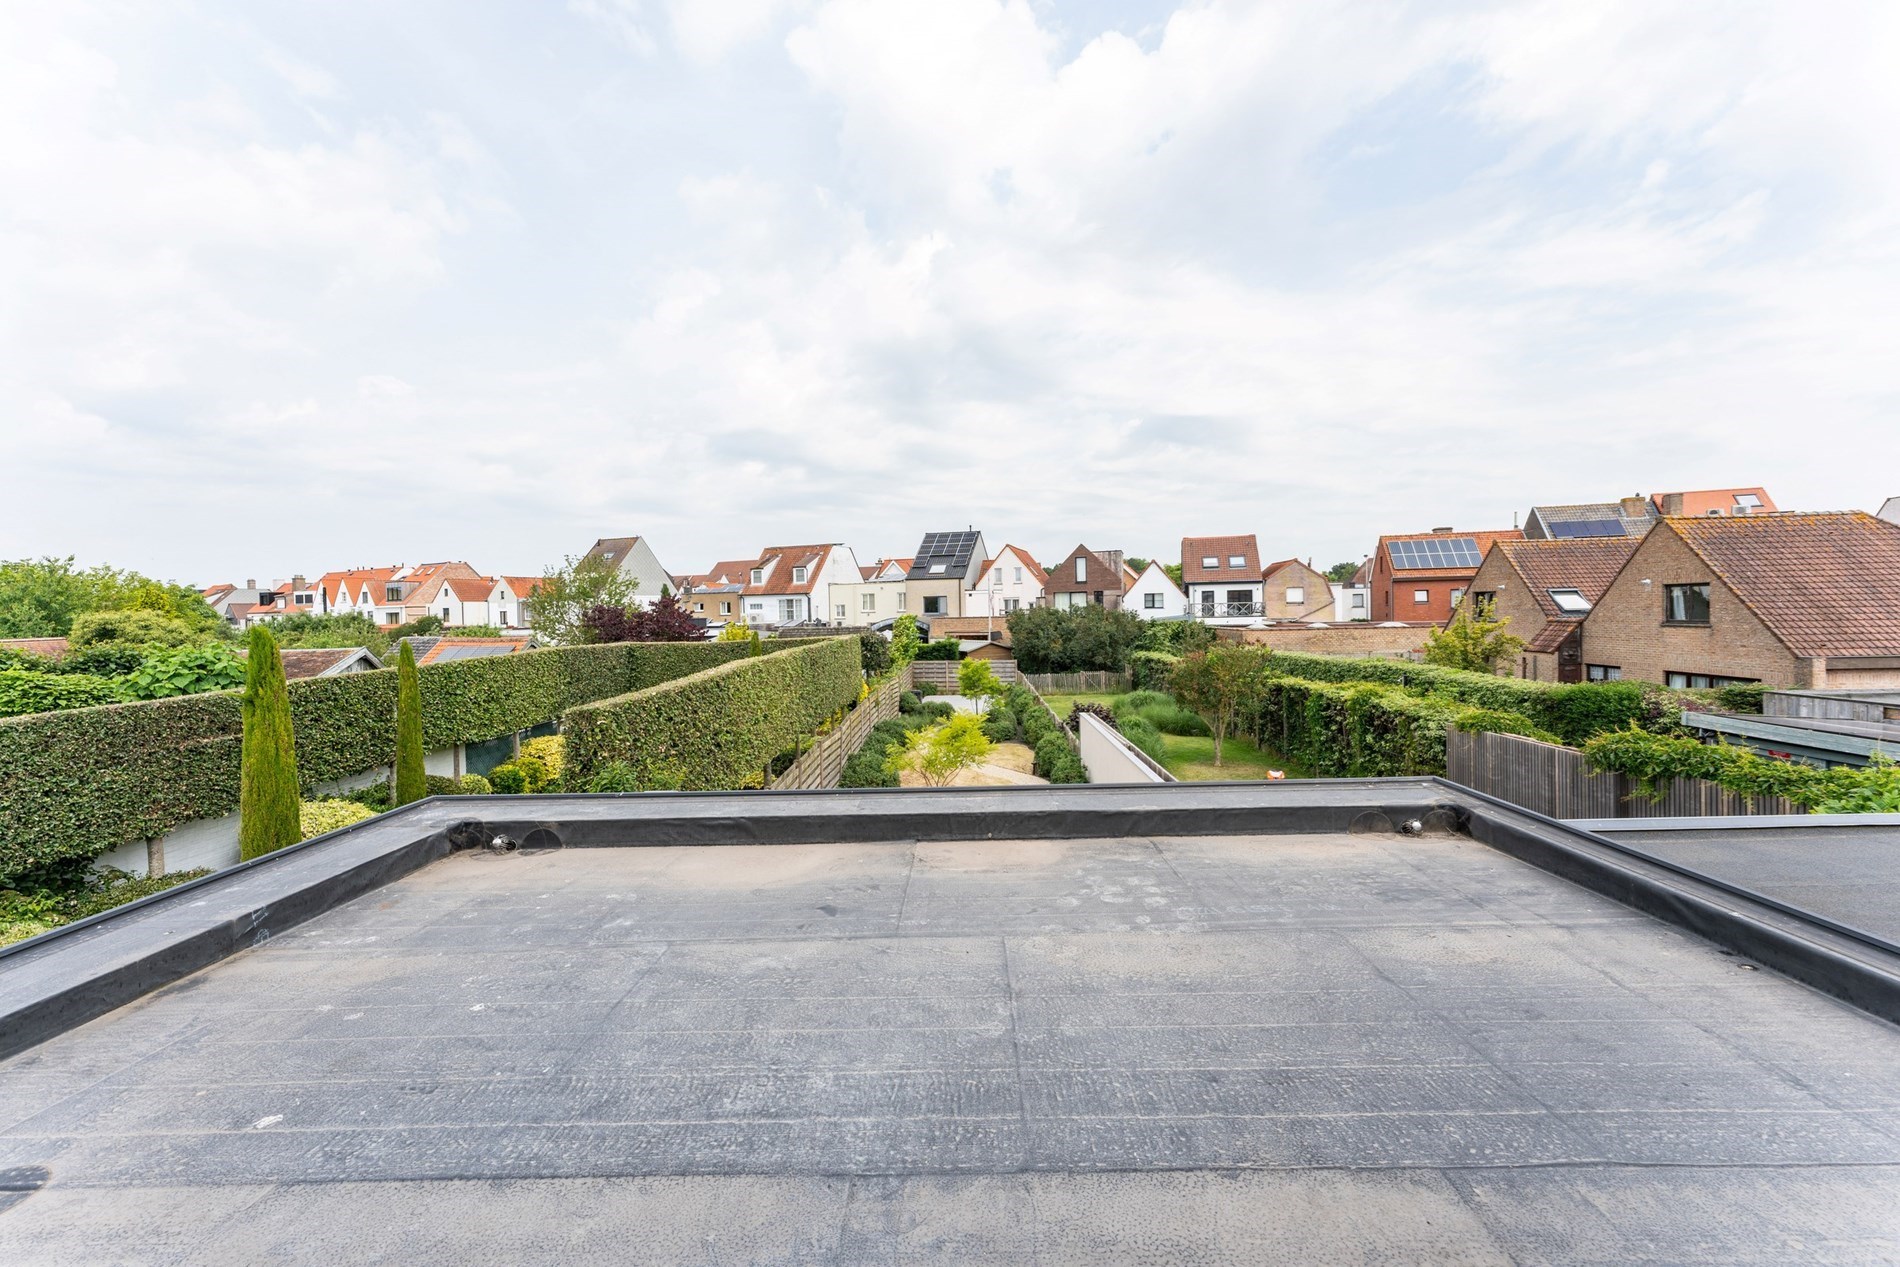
[[1092, 682], [1555, 781], [943, 673], [823, 762]]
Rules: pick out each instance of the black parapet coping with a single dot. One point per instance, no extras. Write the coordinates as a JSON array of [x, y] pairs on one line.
[[1835, 960], [69, 976]]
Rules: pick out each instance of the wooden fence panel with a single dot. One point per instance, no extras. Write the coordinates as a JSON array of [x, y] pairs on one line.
[[943, 673], [1556, 781], [1091, 682], [823, 762]]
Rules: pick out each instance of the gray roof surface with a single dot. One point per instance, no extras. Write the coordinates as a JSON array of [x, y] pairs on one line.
[[1227, 1049]]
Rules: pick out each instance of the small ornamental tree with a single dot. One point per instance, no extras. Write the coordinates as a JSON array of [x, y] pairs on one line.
[[1219, 684], [268, 814], [411, 780], [976, 679], [874, 653], [1474, 640], [664, 621], [906, 642], [937, 754]]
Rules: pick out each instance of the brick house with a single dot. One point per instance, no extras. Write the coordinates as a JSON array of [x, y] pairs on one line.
[[1292, 590], [1422, 575], [1088, 577], [1545, 588], [1715, 503], [1222, 577], [1791, 600]]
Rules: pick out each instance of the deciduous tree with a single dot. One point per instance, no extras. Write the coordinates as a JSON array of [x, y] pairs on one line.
[[1220, 684], [937, 754], [1474, 639]]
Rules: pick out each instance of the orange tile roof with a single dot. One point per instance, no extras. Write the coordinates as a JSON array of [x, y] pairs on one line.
[[471, 589], [1194, 549], [778, 580], [1706, 501], [1034, 568], [524, 586], [1585, 564], [1826, 584], [441, 644]]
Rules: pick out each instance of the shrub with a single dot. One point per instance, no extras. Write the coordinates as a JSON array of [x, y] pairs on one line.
[[550, 751], [109, 660], [267, 797], [905, 640], [535, 771], [1076, 639], [976, 680], [999, 724], [1353, 729], [615, 776], [941, 649], [1140, 732], [1066, 767], [185, 671], [374, 795], [1743, 698], [135, 627], [662, 621], [717, 729], [23, 692], [509, 779], [1496, 721], [1107, 718], [1049, 749], [937, 710], [865, 768], [317, 817], [937, 754], [874, 654], [409, 756], [473, 785], [440, 785], [910, 702]]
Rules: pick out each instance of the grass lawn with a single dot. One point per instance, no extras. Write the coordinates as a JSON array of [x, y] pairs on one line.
[[1191, 758]]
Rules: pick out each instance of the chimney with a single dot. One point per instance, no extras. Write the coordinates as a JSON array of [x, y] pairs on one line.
[[1634, 507], [1441, 531], [296, 582], [1672, 503], [250, 582]]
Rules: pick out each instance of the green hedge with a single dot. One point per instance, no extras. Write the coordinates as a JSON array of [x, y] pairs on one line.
[[1354, 729], [1653, 760], [79, 783], [716, 729]]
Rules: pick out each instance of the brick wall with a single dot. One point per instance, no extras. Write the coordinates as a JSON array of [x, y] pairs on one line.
[[1357, 639], [1626, 627]]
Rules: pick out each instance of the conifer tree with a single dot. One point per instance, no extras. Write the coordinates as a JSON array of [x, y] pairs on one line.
[[267, 797], [411, 782]]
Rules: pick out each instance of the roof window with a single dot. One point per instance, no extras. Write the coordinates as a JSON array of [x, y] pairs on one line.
[[1570, 602]]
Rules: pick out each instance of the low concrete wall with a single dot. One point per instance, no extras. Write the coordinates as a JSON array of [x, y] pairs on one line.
[[824, 761], [1109, 758], [1357, 639]]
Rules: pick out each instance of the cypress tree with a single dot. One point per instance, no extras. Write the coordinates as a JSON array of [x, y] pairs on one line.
[[411, 785], [267, 798]]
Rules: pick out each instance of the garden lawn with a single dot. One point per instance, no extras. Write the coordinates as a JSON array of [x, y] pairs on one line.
[[1190, 758]]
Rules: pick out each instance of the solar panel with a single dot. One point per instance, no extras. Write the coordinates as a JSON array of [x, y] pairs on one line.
[[1435, 553], [948, 551], [469, 653], [1586, 528]]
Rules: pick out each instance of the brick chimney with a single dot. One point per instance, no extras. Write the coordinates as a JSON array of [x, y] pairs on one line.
[[1636, 506], [1672, 503], [250, 582]]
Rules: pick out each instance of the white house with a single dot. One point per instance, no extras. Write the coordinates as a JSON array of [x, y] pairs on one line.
[[1223, 579], [1155, 596], [793, 584], [1009, 582], [880, 595], [1350, 602], [510, 601], [635, 557]]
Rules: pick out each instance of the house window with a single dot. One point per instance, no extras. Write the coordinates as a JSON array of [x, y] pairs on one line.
[[1703, 681], [840, 610], [1081, 570], [867, 601], [1210, 562], [1207, 602], [1604, 672], [1358, 600], [938, 569], [392, 594], [787, 610], [1296, 595], [1236, 560], [445, 613], [933, 604], [305, 600], [1685, 604], [798, 576], [1484, 598], [758, 576], [1012, 604], [1151, 602], [1421, 596], [1238, 598], [1019, 576], [1570, 602], [903, 598], [725, 609], [504, 617], [393, 618], [1457, 593]]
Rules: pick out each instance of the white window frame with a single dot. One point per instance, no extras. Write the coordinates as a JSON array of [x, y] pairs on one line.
[[1081, 570], [1421, 596], [758, 576], [867, 602], [1236, 560], [798, 575], [1210, 562], [1296, 595]]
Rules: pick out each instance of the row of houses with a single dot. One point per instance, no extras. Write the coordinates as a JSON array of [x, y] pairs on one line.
[[453, 592]]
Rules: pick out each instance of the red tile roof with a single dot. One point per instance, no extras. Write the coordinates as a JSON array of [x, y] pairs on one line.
[[778, 579], [1826, 584], [1034, 568], [524, 586], [1194, 549], [1585, 564], [472, 589], [503, 646]]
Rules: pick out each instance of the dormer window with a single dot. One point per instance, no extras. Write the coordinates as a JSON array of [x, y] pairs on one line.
[[758, 576], [798, 576], [1210, 561], [392, 594]]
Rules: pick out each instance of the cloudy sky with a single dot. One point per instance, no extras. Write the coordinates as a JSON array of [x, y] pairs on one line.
[[295, 286]]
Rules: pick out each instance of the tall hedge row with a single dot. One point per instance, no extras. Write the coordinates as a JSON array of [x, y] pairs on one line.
[[716, 729], [1354, 729], [76, 784]]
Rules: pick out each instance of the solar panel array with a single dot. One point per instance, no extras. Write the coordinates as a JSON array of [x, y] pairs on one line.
[[1435, 552], [952, 548], [1562, 530]]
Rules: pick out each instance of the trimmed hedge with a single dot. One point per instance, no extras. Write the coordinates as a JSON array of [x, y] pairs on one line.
[[1653, 760], [716, 729], [78, 783]]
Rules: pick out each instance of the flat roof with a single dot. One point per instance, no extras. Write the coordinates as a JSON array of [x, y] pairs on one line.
[[1234, 1046]]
